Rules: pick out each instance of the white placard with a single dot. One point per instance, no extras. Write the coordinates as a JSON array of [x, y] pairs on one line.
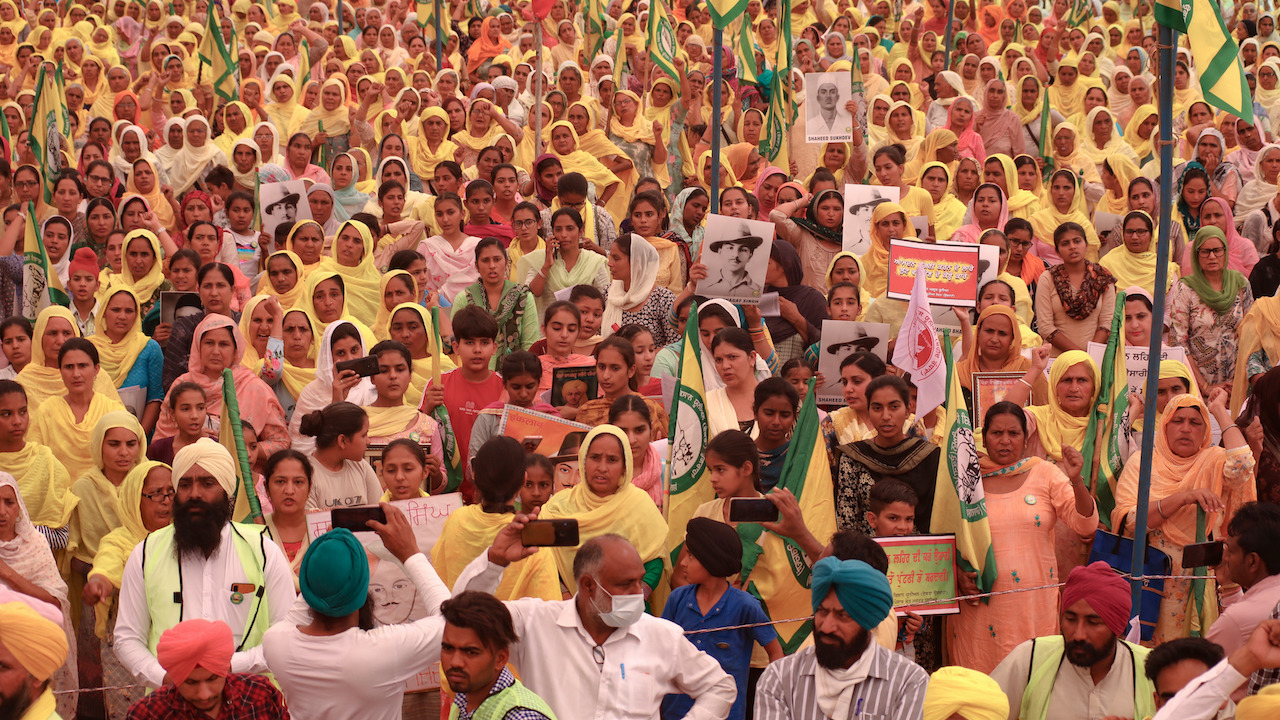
[[859, 202], [736, 253], [826, 117], [840, 339]]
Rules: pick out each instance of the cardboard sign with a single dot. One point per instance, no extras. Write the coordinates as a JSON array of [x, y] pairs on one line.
[[1135, 361], [951, 271], [395, 597], [840, 339], [922, 573], [547, 435]]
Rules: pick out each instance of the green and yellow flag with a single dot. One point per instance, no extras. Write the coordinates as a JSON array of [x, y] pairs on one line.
[[1173, 14], [746, 52], [959, 505], [596, 30], [724, 12], [780, 577], [41, 286], [688, 433], [50, 136], [1217, 59], [221, 59], [453, 457], [662, 40], [1106, 423]]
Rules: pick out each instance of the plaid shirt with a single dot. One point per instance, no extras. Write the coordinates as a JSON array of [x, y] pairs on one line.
[[245, 697], [505, 680], [1266, 676]]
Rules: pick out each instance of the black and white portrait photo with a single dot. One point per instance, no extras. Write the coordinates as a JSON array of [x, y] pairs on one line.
[[737, 257], [283, 202], [840, 339], [827, 119], [859, 202]]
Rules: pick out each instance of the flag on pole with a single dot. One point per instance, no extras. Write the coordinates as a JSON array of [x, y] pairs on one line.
[[1046, 153], [1107, 431], [596, 30], [426, 12], [223, 61], [688, 433], [1217, 60], [231, 436], [1173, 14], [917, 350], [746, 51], [775, 140], [724, 12], [662, 40], [781, 580], [41, 286], [452, 456], [959, 505], [50, 136], [304, 69]]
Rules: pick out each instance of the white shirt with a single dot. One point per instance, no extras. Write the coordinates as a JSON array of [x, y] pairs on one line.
[[556, 659], [370, 666], [353, 485], [1203, 697], [206, 589], [1074, 695]]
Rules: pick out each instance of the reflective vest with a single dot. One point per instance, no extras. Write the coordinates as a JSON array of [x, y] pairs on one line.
[[162, 580], [496, 706], [1046, 658]]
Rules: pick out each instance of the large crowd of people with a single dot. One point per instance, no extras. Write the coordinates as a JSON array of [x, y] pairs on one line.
[[489, 194]]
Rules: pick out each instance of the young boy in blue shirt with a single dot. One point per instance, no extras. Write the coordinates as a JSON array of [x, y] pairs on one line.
[[892, 513], [712, 554]]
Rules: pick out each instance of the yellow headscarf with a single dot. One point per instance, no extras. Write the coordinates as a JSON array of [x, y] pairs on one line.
[[424, 158], [155, 199], [143, 288], [296, 378], [864, 297], [251, 359], [284, 116], [116, 359], [1142, 148], [629, 512], [288, 244], [968, 693], [1263, 706], [361, 282], [466, 139], [98, 512], [1259, 330], [115, 548], [1125, 171], [41, 382], [1139, 269], [1047, 219], [1069, 100], [1056, 427], [579, 161], [336, 122], [422, 366], [875, 262], [288, 299]]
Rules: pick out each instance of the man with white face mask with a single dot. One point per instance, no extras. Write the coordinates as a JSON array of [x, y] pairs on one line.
[[598, 654]]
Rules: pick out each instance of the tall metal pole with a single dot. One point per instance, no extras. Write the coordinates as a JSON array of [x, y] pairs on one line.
[[341, 30], [1167, 39], [717, 69], [951, 19], [537, 93], [439, 40]]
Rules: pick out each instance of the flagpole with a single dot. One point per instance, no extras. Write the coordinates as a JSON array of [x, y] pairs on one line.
[[538, 90], [717, 70], [440, 40], [951, 19], [1167, 38]]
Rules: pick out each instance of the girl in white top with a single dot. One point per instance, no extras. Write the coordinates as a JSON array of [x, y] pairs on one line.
[[340, 476]]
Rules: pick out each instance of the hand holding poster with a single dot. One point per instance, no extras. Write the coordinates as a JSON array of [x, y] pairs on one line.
[[859, 202], [737, 257], [826, 117], [922, 573], [283, 202], [840, 339], [951, 272], [395, 597]]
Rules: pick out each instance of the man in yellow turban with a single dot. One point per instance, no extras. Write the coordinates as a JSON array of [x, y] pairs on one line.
[[32, 647], [956, 692], [228, 571]]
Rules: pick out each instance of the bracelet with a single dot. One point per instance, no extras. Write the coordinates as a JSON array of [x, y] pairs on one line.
[[1161, 510], [1232, 425]]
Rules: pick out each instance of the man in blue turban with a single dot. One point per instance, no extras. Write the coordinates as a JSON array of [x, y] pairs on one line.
[[844, 674]]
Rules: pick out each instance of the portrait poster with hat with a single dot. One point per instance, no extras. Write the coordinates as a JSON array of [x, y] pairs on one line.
[[736, 253], [840, 339], [395, 597], [859, 202], [549, 435], [282, 202], [827, 119]]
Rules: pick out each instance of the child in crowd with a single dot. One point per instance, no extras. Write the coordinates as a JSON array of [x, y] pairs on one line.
[[539, 482], [842, 304], [892, 513], [590, 304], [473, 386], [248, 242], [713, 554], [186, 402], [404, 470], [82, 285], [560, 325], [521, 372]]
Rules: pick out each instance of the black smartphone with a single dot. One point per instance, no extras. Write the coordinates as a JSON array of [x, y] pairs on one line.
[[752, 510], [1205, 554], [354, 519], [550, 533], [364, 367]]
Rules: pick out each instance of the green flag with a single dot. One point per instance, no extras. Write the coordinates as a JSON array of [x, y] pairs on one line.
[[1106, 422], [222, 60], [746, 51], [454, 457], [1217, 60], [690, 485], [596, 31], [1173, 14], [41, 286], [50, 136], [724, 12], [662, 40]]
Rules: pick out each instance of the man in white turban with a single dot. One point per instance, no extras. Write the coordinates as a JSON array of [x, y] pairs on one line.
[[202, 566]]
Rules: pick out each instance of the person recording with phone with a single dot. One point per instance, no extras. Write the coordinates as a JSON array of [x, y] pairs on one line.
[[339, 376], [1252, 558], [333, 620]]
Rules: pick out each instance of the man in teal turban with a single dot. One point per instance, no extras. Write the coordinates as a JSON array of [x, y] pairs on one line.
[[844, 674]]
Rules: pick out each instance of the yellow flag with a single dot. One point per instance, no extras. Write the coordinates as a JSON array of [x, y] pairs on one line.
[[689, 486]]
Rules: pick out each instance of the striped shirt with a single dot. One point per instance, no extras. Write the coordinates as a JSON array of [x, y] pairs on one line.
[[893, 690]]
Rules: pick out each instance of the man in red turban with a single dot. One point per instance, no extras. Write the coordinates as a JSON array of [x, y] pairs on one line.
[[1103, 674], [196, 657]]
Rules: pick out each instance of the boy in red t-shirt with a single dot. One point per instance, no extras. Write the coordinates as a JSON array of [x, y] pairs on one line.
[[473, 386]]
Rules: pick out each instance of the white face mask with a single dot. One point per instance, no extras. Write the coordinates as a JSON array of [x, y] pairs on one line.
[[627, 609]]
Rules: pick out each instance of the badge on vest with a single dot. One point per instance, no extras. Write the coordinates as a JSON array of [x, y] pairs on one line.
[[239, 590]]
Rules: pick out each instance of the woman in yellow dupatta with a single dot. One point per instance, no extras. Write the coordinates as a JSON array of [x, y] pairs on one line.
[[1022, 203], [609, 190], [469, 530], [258, 331], [904, 126], [391, 294], [331, 113], [1068, 97], [480, 132], [660, 102], [433, 146], [1100, 124], [411, 326], [97, 511], [1069, 154], [148, 188], [1143, 147], [228, 138], [1066, 203], [595, 142], [300, 347], [1192, 475], [1134, 262], [41, 378], [902, 71], [307, 245], [948, 212], [875, 262], [289, 298], [66, 430], [285, 114], [1063, 421], [604, 501], [353, 259]]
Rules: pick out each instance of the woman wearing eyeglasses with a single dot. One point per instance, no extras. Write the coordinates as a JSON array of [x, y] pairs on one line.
[[1205, 309]]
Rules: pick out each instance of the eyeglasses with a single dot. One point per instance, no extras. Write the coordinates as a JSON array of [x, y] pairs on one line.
[[26, 183], [1212, 252], [99, 178], [160, 496], [519, 224], [597, 652], [1019, 243], [1137, 232]]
